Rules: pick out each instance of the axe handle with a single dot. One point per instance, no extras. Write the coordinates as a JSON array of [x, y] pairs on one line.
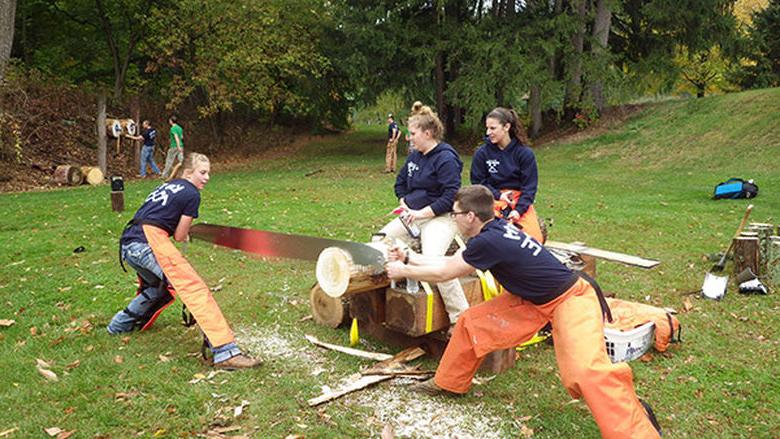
[[736, 235]]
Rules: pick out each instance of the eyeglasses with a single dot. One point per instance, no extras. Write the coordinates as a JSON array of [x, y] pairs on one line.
[[453, 214]]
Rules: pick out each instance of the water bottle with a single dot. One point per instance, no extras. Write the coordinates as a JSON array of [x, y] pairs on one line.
[[412, 287], [410, 226]]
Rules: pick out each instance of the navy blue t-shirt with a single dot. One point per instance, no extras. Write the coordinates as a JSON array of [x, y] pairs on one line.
[[519, 263], [390, 129], [430, 179], [514, 168], [149, 135], [164, 207]]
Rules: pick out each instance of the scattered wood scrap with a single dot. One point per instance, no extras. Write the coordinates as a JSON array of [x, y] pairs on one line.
[[604, 254], [394, 365], [350, 351]]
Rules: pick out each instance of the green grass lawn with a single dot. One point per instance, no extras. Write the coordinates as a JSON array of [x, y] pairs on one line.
[[642, 188]]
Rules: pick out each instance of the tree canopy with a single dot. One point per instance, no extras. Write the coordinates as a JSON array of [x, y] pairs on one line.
[[315, 61]]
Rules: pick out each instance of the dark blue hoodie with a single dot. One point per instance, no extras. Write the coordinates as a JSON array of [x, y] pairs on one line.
[[431, 179], [514, 168]]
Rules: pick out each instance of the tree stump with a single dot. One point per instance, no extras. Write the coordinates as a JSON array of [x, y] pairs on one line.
[[746, 254], [326, 310], [773, 262], [117, 201], [67, 174], [763, 231], [92, 175]]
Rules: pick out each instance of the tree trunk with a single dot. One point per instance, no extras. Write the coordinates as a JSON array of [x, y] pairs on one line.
[[574, 84], [135, 110], [535, 108], [101, 133], [600, 35], [7, 15]]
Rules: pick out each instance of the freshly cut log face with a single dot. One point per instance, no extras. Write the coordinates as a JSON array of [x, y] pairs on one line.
[[326, 310], [339, 276], [92, 174]]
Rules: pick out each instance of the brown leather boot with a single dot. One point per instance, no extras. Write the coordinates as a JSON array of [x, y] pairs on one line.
[[429, 387], [240, 361]]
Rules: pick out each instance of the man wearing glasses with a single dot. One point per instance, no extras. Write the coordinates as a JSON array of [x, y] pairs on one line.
[[540, 289]]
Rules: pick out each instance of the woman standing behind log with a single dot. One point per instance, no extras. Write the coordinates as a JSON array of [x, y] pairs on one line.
[[426, 187], [506, 166], [163, 271]]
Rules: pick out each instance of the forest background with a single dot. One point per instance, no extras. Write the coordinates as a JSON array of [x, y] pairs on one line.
[[244, 76]]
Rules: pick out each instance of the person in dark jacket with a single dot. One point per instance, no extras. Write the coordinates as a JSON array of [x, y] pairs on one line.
[[507, 166], [149, 136], [426, 186]]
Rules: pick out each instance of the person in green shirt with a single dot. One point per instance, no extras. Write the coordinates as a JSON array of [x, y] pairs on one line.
[[175, 150]]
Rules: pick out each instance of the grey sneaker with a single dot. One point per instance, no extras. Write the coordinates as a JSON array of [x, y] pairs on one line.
[[430, 388], [239, 362]]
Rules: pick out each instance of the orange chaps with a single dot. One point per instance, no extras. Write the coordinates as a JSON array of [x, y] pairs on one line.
[[527, 222], [189, 287], [585, 368]]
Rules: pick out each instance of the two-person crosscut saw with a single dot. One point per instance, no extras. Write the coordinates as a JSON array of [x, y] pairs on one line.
[[283, 245]]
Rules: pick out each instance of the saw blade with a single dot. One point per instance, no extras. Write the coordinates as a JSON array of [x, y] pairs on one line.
[[283, 245]]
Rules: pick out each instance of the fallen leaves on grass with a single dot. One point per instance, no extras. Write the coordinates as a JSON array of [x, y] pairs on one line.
[[239, 410], [687, 305], [53, 431], [73, 365], [5, 323], [33, 331], [84, 328], [164, 358], [125, 396], [119, 359], [43, 369], [58, 432], [9, 431]]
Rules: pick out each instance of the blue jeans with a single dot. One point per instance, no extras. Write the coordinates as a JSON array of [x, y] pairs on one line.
[[140, 257], [147, 157]]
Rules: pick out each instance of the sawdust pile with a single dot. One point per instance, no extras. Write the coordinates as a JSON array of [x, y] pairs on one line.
[[413, 415]]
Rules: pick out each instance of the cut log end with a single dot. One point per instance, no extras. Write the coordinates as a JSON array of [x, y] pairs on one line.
[[326, 310], [334, 268]]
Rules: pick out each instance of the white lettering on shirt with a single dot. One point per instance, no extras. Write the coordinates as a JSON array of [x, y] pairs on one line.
[[161, 193], [492, 164], [410, 168], [513, 233]]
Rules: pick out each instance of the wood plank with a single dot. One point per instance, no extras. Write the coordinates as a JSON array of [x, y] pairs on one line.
[[361, 383], [350, 351], [604, 254], [393, 364]]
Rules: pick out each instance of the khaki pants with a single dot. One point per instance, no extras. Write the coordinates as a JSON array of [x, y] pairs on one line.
[[390, 155], [578, 330], [436, 234], [173, 155]]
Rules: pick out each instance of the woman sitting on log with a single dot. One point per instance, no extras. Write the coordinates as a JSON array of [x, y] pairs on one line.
[[162, 270], [506, 166], [426, 187]]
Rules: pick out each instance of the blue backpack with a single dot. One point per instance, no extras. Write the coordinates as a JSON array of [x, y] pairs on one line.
[[735, 188]]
